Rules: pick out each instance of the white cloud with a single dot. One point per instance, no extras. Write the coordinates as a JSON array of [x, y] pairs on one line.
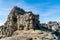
[[28, 7], [34, 8], [4, 11], [3, 15], [1, 23]]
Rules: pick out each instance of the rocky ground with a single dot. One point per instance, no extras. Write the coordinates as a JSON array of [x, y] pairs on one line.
[[31, 34]]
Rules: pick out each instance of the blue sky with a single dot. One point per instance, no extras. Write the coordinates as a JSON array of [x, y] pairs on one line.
[[49, 10]]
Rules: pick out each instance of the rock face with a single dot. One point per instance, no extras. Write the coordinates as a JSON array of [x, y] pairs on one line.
[[22, 25], [55, 26], [18, 19], [22, 20]]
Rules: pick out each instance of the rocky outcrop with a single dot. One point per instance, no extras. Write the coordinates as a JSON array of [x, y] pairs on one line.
[[55, 26], [22, 25], [18, 19]]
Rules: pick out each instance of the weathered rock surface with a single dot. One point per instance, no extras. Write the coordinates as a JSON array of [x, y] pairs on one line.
[[18, 19], [22, 25], [35, 35]]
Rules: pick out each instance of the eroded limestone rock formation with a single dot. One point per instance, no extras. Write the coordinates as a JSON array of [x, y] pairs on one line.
[[22, 25], [18, 19]]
